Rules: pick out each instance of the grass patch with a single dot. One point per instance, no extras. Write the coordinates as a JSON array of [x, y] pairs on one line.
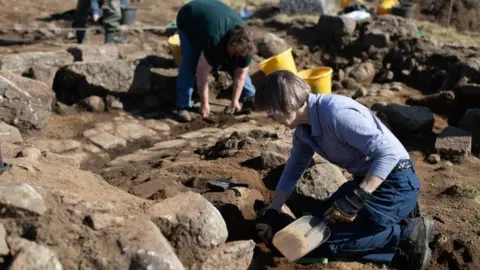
[[298, 18], [448, 35]]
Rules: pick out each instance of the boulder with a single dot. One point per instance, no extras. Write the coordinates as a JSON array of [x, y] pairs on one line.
[[407, 120], [4, 250], [190, 222], [454, 141], [91, 78], [9, 133], [132, 131], [230, 256], [26, 103], [335, 29], [19, 199], [270, 44], [147, 248], [471, 123], [363, 72], [275, 154], [29, 255], [94, 53], [40, 66], [93, 104], [58, 146], [307, 7], [320, 181]]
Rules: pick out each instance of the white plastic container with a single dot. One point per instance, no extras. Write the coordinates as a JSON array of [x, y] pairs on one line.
[[301, 237]]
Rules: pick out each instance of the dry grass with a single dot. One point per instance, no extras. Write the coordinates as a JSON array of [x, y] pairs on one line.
[[448, 35], [302, 19]]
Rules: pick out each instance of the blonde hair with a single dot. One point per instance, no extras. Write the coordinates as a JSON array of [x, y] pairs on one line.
[[281, 92]]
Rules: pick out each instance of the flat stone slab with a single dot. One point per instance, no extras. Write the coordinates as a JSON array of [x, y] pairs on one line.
[[107, 140]]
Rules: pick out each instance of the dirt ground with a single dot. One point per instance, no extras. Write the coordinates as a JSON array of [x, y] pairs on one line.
[[450, 191]]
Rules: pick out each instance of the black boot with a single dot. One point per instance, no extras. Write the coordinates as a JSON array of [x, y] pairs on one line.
[[414, 252]]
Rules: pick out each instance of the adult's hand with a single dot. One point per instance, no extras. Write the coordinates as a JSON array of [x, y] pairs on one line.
[[234, 107], [95, 17], [346, 208], [205, 110]]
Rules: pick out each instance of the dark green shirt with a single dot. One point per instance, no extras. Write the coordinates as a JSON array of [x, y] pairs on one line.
[[207, 25]]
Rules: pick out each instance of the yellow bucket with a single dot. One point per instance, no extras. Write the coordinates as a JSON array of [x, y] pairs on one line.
[[346, 3], [385, 7], [319, 79], [282, 61], [174, 43]]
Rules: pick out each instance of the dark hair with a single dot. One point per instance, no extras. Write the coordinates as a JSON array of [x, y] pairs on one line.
[[242, 39], [281, 92]]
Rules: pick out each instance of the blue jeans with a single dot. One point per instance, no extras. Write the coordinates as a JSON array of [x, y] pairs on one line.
[[375, 234], [187, 75]]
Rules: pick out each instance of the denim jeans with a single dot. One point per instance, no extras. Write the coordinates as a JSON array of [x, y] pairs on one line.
[[375, 233], [187, 75]]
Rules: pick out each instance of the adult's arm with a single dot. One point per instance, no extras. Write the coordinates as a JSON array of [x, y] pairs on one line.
[[95, 6], [361, 133], [238, 82], [300, 157], [203, 69]]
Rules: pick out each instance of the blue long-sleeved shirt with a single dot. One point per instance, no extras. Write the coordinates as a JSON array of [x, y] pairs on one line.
[[96, 9], [345, 133]]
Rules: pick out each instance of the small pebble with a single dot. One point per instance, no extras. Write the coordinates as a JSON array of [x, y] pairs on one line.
[[434, 159]]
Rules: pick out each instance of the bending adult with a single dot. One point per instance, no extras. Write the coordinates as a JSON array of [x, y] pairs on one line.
[[212, 37], [370, 213]]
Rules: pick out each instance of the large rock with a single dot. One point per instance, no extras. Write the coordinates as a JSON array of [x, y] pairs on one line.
[[190, 222], [471, 123], [407, 120], [25, 103], [94, 53], [29, 255], [382, 30], [274, 154], [9, 133], [133, 131], [335, 29], [363, 73], [270, 45], [146, 247], [58, 146], [454, 141], [306, 7], [230, 256], [4, 250], [19, 198], [320, 181], [40, 66], [121, 76]]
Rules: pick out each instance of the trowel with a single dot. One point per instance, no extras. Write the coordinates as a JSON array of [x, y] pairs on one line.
[[302, 236], [224, 185]]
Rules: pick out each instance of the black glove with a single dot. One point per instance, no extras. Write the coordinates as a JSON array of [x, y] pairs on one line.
[[345, 209], [267, 225]]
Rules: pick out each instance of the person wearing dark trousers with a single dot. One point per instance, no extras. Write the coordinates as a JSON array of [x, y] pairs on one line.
[[370, 213], [212, 37], [108, 10]]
